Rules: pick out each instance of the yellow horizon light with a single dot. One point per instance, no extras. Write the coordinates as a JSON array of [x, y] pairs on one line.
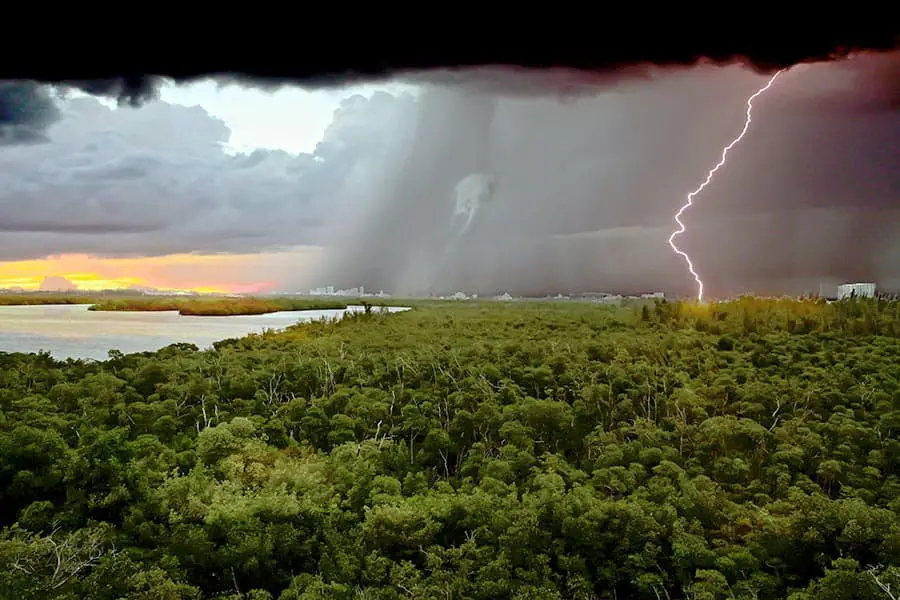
[[202, 273]]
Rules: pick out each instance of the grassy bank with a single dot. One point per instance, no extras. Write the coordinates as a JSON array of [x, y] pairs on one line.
[[42, 299], [194, 305], [215, 307]]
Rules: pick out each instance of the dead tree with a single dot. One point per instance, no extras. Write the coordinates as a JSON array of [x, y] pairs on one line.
[[57, 559]]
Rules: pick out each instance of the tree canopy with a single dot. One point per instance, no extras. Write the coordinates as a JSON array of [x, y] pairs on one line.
[[468, 450]]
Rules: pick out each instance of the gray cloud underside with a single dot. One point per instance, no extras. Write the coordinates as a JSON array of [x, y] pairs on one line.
[[586, 184], [27, 109], [156, 180]]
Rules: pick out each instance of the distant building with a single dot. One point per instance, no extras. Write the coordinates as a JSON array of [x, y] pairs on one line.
[[653, 295], [859, 290], [327, 290]]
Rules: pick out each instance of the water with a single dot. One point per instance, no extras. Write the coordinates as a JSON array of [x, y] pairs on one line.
[[74, 331]]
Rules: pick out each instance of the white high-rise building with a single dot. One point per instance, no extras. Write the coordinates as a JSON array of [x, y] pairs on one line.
[[860, 290]]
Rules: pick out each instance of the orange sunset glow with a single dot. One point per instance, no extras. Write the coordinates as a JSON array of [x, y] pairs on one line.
[[210, 273]]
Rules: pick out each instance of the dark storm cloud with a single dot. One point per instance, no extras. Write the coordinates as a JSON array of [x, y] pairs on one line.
[[26, 110], [600, 49], [133, 91], [157, 180], [561, 82], [29, 108], [604, 57], [586, 188]]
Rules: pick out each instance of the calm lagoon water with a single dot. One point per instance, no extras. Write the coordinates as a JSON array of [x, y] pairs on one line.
[[74, 331]]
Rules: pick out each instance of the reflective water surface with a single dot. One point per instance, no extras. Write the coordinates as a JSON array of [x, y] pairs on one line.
[[74, 331]]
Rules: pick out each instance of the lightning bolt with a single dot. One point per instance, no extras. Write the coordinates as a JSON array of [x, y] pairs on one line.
[[690, 197]]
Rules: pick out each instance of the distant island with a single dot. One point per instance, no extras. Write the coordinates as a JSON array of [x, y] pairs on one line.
[[42, 298], [216, 307], [194, 305]]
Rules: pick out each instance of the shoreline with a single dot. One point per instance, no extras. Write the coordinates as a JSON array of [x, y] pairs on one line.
[[190, 307]]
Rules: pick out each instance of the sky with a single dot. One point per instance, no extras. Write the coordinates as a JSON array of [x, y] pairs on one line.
[[586, 187], [243, 190], [290, 119], [281, 124]]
